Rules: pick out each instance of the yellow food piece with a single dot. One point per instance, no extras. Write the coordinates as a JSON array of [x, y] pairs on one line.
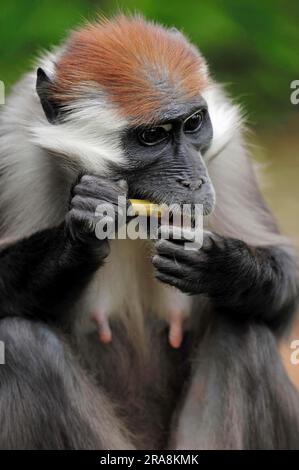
[[146, 208]]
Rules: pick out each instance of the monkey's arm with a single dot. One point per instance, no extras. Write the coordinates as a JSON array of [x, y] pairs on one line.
[[43, 275], [40, 276]]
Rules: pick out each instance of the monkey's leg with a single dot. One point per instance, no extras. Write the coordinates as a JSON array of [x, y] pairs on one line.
[[46, 399], [240, 396]]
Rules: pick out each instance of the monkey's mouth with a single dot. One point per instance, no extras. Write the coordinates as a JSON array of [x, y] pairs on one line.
[[172, 194], [157, 205], [176, 213]]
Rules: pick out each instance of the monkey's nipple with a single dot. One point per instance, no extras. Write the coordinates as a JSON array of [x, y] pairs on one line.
[[102, 322]]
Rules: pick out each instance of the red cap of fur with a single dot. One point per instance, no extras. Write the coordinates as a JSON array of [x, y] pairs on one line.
[[142, 67]]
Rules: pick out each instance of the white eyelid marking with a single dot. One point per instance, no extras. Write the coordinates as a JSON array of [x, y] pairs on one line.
[[167, 127], [195, 112]]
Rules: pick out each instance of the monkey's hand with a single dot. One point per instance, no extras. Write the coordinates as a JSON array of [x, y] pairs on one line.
[[208, 269], [241, 281], [95, 211]]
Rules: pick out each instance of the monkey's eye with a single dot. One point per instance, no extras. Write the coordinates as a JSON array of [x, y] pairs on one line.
[[193, 123], [153, 135]]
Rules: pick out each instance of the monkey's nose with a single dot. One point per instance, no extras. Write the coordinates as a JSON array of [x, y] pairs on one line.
[[193, 185]]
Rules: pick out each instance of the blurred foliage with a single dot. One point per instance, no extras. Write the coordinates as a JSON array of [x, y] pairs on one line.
[[251, 45]]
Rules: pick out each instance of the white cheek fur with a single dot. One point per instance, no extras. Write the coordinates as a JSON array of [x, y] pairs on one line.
[[41, 160], [225, 117], [88, 135]]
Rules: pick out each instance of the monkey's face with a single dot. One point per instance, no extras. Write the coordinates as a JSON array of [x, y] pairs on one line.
[[165, 162], [108, 81]]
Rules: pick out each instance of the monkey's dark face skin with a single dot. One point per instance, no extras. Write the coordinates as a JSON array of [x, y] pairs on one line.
[[164, 162]]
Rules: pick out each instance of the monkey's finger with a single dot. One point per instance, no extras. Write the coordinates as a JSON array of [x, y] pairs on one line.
[[174, 250], [104, 194], [172, 281], [212, 240], [188, 286], [95, 186], [96, 207], [170, 266], [178, 235], [80, 222], [77, 222]]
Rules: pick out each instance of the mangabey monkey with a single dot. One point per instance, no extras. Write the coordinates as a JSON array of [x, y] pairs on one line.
[[129, 100]]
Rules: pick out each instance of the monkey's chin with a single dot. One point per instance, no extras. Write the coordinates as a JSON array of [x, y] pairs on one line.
[[208, 208], [192, 212]]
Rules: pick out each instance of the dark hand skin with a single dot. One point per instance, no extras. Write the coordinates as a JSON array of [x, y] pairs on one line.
[[243, 282], [43, 275], [87, 194]]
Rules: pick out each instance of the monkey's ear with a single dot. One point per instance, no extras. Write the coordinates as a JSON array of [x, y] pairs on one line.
[[43, 84]]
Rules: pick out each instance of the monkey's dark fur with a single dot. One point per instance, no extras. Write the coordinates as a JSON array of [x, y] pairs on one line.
[[61, 388], [53, 396]]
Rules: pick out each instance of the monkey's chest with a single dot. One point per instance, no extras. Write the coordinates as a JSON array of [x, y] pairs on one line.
[[125, 290]]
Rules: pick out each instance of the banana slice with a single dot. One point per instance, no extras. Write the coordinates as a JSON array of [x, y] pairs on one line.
[[146, 208]]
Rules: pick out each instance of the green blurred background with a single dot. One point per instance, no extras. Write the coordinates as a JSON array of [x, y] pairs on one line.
[[252, 47]]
